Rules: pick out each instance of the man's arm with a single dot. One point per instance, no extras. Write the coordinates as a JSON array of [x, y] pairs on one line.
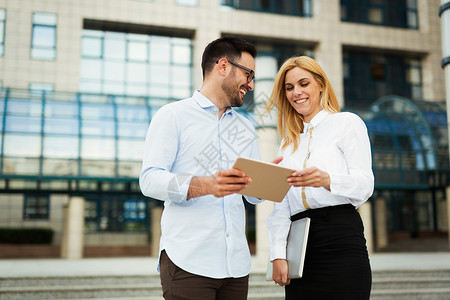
[[223, 183]]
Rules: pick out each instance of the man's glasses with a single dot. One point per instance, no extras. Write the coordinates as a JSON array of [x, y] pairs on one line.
[[251, 73]]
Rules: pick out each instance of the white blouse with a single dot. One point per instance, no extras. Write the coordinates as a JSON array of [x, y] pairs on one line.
[[338, 144]]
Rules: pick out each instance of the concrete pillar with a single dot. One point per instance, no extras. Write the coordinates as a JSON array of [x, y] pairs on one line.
[[365, 211], [156, 229], [444, 13], [73, 229], [381, 223], [266, 68], [443, 218], [448, 213]]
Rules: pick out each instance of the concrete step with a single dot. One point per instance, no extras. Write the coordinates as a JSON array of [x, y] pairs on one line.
[[386, 285], [79, 292], [409, 294], [410, 273], [78, 280], [412, 294]]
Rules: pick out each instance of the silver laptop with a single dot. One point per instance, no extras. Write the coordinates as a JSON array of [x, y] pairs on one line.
[[296, 249]]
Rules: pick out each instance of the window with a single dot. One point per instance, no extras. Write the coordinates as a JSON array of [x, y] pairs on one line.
[[368, 77], [2, 31], [114, 214], [39, 87], [117, 63], [285, 7], [187, 2], [399, 13], [43, 40], [36, 207]]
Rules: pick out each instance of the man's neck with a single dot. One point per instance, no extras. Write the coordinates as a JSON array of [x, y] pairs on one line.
[[216, 98]]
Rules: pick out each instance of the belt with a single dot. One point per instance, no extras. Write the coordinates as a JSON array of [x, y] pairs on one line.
[[322, 212]]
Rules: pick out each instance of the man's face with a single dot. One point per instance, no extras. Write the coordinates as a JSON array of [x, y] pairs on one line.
[[236, 84]]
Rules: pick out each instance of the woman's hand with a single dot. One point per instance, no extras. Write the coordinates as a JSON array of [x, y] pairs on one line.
[[313, 177], [280, 272]]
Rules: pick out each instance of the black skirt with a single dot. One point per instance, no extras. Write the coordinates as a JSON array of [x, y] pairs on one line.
[[336, 261]]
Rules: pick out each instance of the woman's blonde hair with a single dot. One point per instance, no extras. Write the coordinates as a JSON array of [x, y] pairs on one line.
[[290, 122]]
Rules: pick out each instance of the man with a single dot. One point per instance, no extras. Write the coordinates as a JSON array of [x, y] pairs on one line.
[[190, 149]]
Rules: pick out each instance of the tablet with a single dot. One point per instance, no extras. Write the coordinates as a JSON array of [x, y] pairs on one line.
[[269, 181], [295, 249]]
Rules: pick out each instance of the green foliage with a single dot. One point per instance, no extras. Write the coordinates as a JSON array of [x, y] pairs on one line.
[[26, 235]]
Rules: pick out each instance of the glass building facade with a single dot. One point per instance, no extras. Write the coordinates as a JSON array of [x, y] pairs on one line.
[[119, 71]]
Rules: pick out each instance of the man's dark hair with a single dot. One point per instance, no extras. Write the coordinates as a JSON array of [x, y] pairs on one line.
[[227, 46]]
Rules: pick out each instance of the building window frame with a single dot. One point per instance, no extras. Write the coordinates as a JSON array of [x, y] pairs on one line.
[[116, 214], [39, 87], [273, 6], [381, 13], [36, 207], [43, 37], [189, 3], [369, 76], [147, 65], [2, 31]]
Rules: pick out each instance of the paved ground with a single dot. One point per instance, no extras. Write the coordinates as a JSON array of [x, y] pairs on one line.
[[147, 265]]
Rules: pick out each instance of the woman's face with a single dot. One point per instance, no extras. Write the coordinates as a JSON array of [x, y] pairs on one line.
[[303, 92]]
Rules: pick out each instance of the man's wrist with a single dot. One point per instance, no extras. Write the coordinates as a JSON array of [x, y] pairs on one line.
[[198, 187]]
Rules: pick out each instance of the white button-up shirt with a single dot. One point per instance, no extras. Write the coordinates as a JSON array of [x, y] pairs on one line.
[[339, 145], [204, 235]]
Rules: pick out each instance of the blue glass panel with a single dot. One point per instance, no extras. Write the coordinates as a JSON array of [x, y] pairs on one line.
[[98, 128], [137, 73], [114, 49], [160, 49], [97, 148], [97, 111], [91, 68], [2, 32], [114, 70], [187, 2], [136, 89], [21, 145], [182, 54], [44, 19], [91, 47], [44, 36], [47, 54], [61, 109], [114, 88], [159, 74], [132, 129], [23, 124], [132, 113], [22, 107], [60, 147], [131, 150], [61, 126], [48, 87], [137, 51]]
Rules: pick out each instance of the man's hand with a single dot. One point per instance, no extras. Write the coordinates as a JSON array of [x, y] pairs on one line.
[[280, 272], [310, 177], [277, 160], [223, 183]]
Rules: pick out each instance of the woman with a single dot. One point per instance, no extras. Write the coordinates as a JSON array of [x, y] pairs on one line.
[[330, 151]]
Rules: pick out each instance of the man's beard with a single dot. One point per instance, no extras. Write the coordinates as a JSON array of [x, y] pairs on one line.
[[229, 88]]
